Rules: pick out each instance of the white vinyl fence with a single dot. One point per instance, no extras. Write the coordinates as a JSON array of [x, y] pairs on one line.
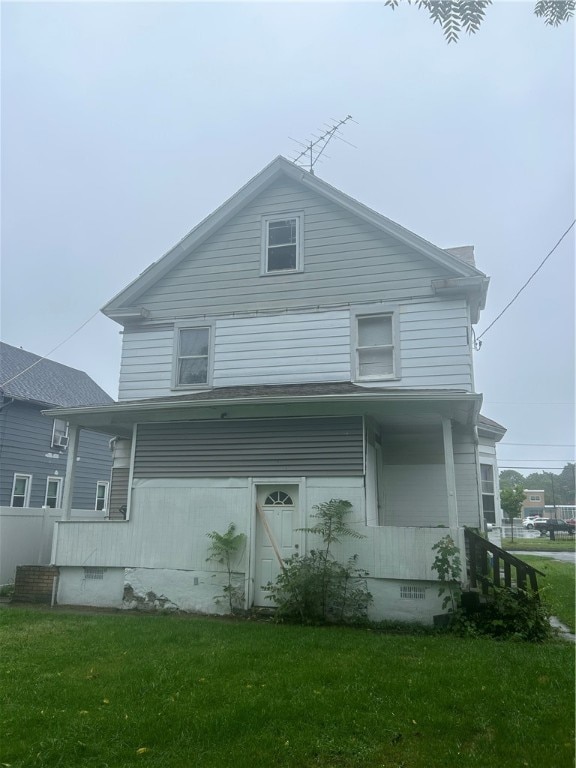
[[26, 536]]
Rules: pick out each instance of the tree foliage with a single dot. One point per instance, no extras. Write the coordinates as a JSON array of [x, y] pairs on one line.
[[558, 489], [456, 16], [511, 500]]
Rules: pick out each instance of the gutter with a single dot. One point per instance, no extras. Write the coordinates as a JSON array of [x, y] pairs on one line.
[[274, 400]]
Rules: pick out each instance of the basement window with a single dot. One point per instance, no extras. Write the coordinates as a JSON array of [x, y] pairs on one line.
[[412, 593], [94, 574]]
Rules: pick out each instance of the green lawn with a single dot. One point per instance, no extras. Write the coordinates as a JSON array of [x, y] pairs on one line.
[[558, 587], [180, 692], [539, 544]]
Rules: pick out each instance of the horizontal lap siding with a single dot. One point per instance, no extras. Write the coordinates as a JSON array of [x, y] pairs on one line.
[[283, 349], [306, 347], [264, 448], [466, 471], [344, 258]]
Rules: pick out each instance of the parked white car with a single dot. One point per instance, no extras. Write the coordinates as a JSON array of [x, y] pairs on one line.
[[530, 522]]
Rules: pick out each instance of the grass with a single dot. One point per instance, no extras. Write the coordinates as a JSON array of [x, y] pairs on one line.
[[558, 587], [540, 544], [122, 690]]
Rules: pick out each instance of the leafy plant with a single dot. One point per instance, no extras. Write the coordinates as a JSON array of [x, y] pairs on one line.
[[315, 588], [448, 566], [515, 614], [456, 16], [224, 550]]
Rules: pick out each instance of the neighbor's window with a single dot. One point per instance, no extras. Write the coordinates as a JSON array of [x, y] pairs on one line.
[[53, 492], [21, 490], [192, 364], [375, 358], [101, 496], [282, 247], [535, 498]]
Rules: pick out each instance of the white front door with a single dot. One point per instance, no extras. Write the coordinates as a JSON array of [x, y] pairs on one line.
[[279, 505]]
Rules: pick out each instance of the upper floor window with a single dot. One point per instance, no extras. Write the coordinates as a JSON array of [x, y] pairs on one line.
[[53, 496], [282, 244], [193, 356], [21, 490], [375, 346], [60, 434]]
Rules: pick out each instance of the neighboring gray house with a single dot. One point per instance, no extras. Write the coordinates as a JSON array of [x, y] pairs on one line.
[[294, 347], [34, 448]]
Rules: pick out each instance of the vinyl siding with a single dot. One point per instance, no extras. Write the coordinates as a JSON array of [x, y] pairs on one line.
[[26, 447], [344, 258], [301, 347], [262, 448]]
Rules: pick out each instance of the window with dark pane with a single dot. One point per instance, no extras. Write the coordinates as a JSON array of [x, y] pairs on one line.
[[488, 499], [282, 245], [278, 499], [375, 347], [52, 492], [193, 356]]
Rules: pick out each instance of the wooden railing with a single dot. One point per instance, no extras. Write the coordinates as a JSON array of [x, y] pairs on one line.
[[490, 564]]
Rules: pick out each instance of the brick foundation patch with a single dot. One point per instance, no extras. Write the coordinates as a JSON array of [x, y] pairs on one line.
[[34, 583]]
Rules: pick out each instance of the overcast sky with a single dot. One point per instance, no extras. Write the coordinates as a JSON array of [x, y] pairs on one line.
[[123, 125]]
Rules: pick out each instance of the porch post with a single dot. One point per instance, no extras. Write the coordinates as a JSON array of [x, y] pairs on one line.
[[450, 472], [73, 440]]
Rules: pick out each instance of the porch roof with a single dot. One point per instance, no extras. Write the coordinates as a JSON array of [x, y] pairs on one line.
[[388, 405]]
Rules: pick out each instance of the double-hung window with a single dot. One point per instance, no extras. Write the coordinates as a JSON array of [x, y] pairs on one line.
[[21, 490], [488, 497], [53, 496], [101, 496], [193, 356], [282, 244], [375, 349]]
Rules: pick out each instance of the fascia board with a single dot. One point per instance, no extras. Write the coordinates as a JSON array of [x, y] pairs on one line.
[[195, 237], [248, 192], [390, 227], [396, 397]]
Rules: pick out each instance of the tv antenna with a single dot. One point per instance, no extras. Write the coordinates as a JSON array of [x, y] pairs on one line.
[[314, 149]]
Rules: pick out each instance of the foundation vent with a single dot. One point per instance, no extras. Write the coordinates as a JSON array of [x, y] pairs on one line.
[[94, 574], [412, 593]]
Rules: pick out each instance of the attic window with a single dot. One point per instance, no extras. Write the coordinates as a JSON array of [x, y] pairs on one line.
[[282, 244]]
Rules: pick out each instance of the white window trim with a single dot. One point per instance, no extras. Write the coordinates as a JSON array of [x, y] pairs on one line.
[[58, 480], [106, 485], [384, 310], [54, 431], [184, 326], [266, 220], [28, 478]]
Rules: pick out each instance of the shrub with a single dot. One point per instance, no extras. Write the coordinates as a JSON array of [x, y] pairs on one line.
[[512, 614], [315, 588]]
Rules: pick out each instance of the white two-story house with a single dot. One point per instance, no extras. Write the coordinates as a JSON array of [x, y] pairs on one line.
[[294, 347]]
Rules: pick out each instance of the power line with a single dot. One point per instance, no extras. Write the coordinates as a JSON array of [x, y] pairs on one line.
[[541, 445], [51, 351], [527, 282]]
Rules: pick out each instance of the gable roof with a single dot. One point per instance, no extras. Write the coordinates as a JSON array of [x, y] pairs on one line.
[[123, 304], [48, 382]]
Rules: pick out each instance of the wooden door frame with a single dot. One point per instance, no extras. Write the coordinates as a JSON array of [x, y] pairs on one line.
[[255, 483]]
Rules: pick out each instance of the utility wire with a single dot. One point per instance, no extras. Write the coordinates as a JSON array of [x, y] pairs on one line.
[[44, 357], [527, 282]]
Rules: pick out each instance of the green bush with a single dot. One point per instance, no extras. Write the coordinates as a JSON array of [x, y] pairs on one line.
[[315, 588], [507, 614]]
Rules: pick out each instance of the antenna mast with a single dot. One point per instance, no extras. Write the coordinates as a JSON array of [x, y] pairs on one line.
[[314, 149]]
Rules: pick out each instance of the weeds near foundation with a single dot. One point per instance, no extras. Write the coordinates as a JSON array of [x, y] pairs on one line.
[[224, 550]]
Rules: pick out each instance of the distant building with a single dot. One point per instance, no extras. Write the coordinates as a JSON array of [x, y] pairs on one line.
[[33, 447], [533, 503]]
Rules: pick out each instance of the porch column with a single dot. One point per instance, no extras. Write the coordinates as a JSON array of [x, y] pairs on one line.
[[450, 472], [73, 440]]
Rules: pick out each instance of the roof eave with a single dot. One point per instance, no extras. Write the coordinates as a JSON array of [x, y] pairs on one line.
[[126, 299]]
